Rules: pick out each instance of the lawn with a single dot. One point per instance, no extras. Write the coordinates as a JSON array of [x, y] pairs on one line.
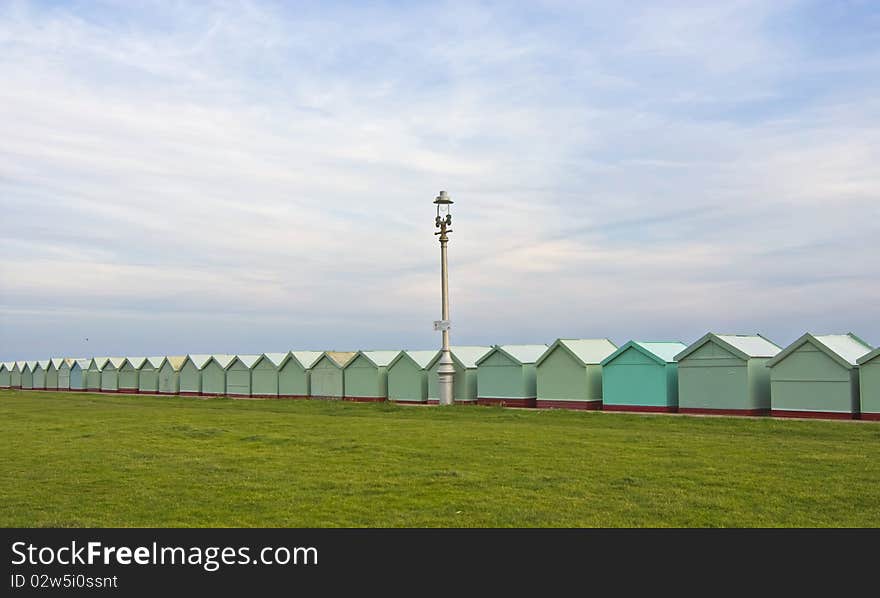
[[76, 460]]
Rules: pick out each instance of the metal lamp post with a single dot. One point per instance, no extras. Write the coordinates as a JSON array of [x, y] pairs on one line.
[[445, 369]]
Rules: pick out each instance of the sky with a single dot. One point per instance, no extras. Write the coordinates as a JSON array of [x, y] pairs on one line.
[[247, 177]]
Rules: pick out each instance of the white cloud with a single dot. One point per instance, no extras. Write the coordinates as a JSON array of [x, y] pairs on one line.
[[648, 173]]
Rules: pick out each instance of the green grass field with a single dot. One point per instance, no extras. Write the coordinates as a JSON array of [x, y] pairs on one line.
[[105, 460]]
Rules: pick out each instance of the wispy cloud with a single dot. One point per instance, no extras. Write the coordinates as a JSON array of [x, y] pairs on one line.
[[252, 176]]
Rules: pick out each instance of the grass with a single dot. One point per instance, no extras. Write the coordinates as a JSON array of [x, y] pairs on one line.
[[103, 460]]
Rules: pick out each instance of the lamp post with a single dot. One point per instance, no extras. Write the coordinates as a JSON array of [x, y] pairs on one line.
[[445, 369]]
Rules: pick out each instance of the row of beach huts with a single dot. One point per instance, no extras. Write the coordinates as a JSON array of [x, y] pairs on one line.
[[830, 376]]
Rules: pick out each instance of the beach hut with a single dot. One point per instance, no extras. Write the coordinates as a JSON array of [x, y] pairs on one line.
[[5, 375], [27, 375], [171, 375], [93, 373], [642, 376], [264, 375], [79, 370], [366, 376], [52, 373], [191, 374], [506, 375], [817, 376], [326, 380], [128, 373], [238, 375], [569, 374], [464, 383], [408, 376], [15, 374], [295, 373], [869, 385], [40, 374], [64, 374], [214, 375], [725, 374], [110, 374], [148, 375]]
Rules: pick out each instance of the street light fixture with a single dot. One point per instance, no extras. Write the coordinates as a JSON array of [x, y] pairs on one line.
[[445, 369]]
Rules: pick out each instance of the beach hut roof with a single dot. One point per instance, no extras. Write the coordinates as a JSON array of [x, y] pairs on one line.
[[466, 356], [377, 358], [522, 354], [845, 349], [276, 359], [662, 352], [869, 357], [136, 362], [57, 362], [745, 346], [421, 358], [588, 351], [306, 358], [199, 360], [155, 361], [340, 358], [175, 361], [247, 360]]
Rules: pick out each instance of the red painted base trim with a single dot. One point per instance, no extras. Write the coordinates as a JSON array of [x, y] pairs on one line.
[[506, 402], [582, 405], [300, 397], [253, 396], [704, 411], [365, 399], [188, 394], [238, 396], [77, 389], [93, 390], [129, 391], [874, 417], [173, 394], [211, 394], [813, 414], [639, 408]]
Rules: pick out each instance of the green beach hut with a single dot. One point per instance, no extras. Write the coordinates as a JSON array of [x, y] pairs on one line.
[[726, 374], [148, 375], [464, 383], [408, 376], [264, 375], [110, 374], [238, 375], [817, 376], [64, 373], [191, 374], [15, 374], [52, 373], [326, 377], [129, 374], [93, 373], [869, 385], [40, 374], [506, 375], [294, 374], [171, 375], [6, 374], [214, 375], [569, 374], [366, 376], [642, 376], [27, 375], [79, 369]]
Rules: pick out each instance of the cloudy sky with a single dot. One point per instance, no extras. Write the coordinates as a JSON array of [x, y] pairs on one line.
[[244, 177]]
